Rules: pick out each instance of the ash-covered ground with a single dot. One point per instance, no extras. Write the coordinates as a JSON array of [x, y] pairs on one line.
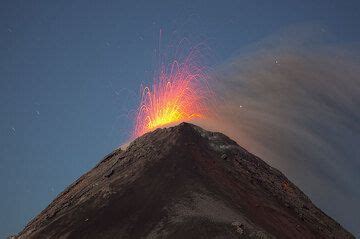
[[183, 182]]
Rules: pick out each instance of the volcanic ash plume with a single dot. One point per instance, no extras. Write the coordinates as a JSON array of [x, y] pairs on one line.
[[296, 104], [292, 100]]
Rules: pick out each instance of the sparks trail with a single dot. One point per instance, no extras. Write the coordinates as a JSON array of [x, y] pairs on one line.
[[180, 92]]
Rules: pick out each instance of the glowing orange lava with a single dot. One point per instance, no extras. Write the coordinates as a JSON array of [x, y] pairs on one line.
[[179, 93]]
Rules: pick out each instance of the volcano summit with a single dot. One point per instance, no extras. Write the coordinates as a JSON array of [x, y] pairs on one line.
[[183, 182]]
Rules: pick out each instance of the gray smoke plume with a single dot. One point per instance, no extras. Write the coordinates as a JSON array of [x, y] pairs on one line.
[[294, 100]]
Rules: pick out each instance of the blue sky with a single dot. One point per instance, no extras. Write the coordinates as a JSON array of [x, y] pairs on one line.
[[70, 73]]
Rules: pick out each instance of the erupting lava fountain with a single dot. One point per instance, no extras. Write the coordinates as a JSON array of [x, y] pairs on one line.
[[180, 92]]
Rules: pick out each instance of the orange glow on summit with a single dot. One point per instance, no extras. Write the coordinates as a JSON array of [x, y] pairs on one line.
[[180, 92]]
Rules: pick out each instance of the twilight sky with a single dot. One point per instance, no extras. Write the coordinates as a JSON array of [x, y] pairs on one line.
[[70, 73]]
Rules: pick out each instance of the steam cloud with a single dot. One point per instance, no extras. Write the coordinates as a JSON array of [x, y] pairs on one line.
[[294, 100]]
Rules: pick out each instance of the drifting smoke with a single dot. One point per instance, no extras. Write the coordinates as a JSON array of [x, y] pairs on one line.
[[295, 102], [292, 99]]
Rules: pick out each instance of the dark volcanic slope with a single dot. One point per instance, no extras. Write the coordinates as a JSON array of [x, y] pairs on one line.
[[183, 182]]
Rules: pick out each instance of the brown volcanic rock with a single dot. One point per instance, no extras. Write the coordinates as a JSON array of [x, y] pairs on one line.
[[183, 182]]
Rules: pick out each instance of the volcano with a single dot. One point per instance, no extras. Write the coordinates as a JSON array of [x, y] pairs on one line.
[[183, 182]]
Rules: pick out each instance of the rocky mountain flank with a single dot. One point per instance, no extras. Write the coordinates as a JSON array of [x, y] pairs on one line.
[[183, 182]]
